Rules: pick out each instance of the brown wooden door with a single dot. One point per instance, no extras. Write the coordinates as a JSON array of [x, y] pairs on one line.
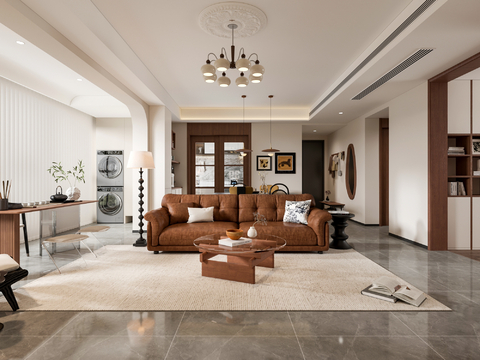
[[384, 164]]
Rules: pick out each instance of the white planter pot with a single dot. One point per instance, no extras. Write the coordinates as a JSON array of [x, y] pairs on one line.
[[252, 232], [73, 193]]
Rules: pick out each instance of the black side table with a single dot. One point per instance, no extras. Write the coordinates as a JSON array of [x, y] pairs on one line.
[[339, 237]]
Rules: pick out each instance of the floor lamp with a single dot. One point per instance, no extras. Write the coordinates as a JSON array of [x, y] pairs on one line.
[[140, 160]]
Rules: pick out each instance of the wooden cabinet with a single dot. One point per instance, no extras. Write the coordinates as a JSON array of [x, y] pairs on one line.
[[459, 107], [476, 107], [475, 223], [459, 223]]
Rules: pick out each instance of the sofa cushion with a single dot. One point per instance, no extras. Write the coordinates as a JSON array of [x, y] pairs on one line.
[[271, 206], [294, 234], [225, 206], [297, 211], [178, 212], [183, 234], [200, 215]]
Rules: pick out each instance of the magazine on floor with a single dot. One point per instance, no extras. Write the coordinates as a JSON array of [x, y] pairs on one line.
[[388, 289]]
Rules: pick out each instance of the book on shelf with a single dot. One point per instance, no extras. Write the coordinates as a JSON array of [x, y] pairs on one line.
[[338, 212], [454, 150], [461, 189], [232, 243], [476, 172], [453, 188], [390, 287]]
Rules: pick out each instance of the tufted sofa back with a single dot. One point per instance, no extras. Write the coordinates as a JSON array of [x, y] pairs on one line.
[[271, 206], [225, 206]]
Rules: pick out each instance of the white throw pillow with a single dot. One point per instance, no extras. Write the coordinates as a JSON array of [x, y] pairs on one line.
[[297, 211], [200, 214]]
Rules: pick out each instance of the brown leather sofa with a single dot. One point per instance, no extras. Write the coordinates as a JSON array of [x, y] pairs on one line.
[[168, 230]]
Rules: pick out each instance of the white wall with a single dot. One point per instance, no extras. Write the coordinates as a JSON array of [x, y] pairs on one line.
[[372, 172], [34, 132], [286, 137], [180, 154], [408, 141], [353, 133], [116, 134]]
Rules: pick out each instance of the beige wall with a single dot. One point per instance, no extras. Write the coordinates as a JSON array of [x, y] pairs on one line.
[[180, 154], [116, 134]]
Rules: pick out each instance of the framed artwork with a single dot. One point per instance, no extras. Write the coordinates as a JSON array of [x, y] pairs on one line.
[[284, 163], [264, 163], [476, 146]]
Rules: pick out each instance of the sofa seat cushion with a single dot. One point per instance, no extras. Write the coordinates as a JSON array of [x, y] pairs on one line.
[[183, 234], [294, 234]]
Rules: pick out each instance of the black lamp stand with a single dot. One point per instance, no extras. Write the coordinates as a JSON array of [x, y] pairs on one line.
[[140, 241]]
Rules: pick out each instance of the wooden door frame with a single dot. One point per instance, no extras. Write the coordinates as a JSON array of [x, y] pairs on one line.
[[384, 173], [437, 151]]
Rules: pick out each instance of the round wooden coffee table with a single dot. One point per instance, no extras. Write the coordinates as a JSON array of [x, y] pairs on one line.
[[241, 260]]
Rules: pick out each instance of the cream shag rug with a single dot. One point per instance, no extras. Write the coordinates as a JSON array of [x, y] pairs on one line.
[[125, 278]]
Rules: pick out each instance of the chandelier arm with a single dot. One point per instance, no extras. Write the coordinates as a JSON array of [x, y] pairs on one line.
[[224, 52], [242, 51], [208, 56], [252, 55]]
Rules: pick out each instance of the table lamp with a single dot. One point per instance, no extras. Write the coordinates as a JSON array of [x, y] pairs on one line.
[[140, 160]]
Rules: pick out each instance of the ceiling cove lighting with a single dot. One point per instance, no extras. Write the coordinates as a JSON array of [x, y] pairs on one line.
[[244, 152], [270, 151], [243, 64]]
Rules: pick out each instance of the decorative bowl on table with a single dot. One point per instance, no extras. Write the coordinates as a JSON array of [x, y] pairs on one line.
[[234, 234]]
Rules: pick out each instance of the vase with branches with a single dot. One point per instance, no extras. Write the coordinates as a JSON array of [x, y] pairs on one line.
[[77, 174], [258, 219]]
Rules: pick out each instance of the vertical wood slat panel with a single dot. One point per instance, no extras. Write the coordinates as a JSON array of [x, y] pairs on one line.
[[34, 132]]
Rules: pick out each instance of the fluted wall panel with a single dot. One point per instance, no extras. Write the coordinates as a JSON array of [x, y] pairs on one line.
[[35, 131]]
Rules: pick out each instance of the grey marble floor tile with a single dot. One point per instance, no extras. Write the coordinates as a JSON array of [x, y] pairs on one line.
[[455, 347], [437, 323], [348, 323], [104, 348], [19, 347], [122, 324], [24, 324], [367, 348], [234, 348], [236, 324]]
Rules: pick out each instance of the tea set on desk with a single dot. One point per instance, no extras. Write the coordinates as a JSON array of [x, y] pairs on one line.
[[58, 197]]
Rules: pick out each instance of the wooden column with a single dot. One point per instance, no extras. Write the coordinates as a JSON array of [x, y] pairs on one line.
[[10, 236]]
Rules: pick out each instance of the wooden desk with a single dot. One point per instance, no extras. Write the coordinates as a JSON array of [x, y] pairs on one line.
[[10, 226]]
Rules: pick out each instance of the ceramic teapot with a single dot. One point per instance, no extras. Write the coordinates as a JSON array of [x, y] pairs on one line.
[[58, 197]]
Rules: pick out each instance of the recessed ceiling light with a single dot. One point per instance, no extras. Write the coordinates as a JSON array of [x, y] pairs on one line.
[[314, 130], [20, 42], [79, 80], [340, 113]]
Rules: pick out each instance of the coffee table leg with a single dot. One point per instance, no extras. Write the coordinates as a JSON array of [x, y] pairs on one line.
[[268, 262], [230, 270]]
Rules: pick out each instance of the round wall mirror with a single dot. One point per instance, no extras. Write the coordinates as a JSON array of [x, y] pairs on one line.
[[351, 172]]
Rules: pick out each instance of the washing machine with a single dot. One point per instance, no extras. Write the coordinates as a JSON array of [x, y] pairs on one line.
[[110, 168], [110, 205]]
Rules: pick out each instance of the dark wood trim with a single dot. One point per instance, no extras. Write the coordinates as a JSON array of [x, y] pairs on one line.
[[437, 166], [470, 190], [458, 70], [383, 172], [409, 241]]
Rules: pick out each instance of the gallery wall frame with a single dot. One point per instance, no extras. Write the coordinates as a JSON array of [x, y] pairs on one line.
[[285, 163], [264, 163]]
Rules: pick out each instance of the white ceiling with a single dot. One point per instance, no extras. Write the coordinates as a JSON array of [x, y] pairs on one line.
[[156, 49]]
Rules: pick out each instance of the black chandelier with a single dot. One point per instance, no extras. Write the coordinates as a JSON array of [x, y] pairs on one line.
[[242, 64]]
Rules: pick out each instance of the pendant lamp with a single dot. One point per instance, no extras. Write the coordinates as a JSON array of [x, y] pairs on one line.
[[244, 151], [270, 151]]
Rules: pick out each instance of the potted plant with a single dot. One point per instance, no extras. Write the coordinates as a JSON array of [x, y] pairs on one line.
[[77, 172], [328, 192]]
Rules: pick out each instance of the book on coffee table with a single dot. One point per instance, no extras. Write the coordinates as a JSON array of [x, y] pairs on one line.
[[389, 287], [232, 243]]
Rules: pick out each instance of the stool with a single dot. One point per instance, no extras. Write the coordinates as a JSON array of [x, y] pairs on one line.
[[70, 238], [94, 229], [10, 273]]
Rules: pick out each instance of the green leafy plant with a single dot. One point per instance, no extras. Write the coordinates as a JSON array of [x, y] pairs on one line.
[[59, 173]]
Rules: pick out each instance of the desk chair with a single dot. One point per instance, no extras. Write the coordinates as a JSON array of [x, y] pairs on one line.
[[67, 239], [94, 229], [10, 273], [240, 190]]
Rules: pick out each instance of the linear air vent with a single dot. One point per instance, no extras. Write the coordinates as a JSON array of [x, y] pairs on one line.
[[394, 72], [421, 9]]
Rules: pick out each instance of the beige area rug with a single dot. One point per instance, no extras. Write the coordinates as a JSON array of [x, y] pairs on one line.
[[126, 278]]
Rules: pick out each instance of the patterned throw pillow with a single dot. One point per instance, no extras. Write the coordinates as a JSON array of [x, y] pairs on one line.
[[297, 211]]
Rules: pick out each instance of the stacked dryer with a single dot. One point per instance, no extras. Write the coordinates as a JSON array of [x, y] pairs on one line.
[[110, 187]]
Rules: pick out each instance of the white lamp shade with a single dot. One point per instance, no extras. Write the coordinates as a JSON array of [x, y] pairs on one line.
[[241, 81], [140, 159], [210, 79], [242, 64], [222, 64], [208, 70], [257, 70], [255, 79], [223, 81]]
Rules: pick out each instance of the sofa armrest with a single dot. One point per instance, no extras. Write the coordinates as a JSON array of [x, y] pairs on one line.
[[318, 221], [158, 220]]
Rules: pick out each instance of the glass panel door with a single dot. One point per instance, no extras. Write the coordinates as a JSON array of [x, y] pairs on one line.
[[204, 167], [232, 164]]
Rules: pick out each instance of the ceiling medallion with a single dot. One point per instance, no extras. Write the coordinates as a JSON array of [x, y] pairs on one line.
[[215, 19], [231, 17]]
